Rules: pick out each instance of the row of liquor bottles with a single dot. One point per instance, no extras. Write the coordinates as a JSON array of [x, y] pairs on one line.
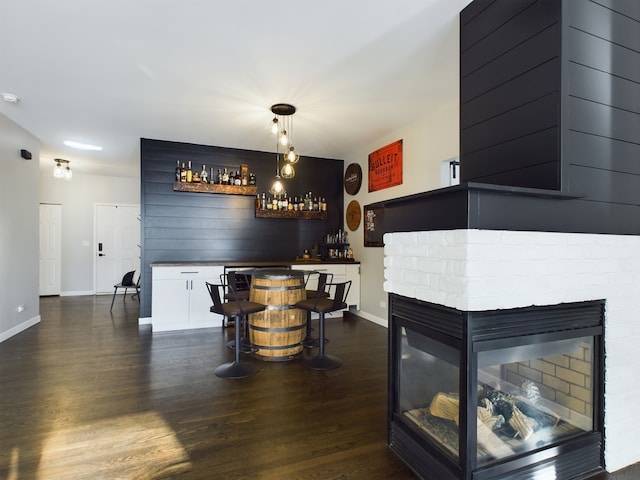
[[308, 202], [221, 176]]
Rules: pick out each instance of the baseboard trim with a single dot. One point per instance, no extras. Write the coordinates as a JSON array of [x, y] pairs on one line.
[[19, 328]]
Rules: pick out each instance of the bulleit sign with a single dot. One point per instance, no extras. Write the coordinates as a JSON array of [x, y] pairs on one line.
[[385, 167]]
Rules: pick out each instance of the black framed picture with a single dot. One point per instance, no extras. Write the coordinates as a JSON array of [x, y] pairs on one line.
[[373, 225]]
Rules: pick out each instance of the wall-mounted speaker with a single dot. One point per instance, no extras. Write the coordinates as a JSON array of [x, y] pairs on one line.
[[26, 154]]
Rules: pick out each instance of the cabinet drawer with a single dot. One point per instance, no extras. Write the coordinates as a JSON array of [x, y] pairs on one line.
[[186, 272]]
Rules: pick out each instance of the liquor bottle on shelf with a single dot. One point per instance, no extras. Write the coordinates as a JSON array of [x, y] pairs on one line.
[[204, 175], [263, 205], [195, 177], [315, 206], [189, 172], [183, 173], [324, 204], [252, 180], [290, 205], [225, 177], [177, 170], [237, 180], [212, 176]]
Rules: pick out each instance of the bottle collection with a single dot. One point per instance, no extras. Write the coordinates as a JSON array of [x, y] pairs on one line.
[[220, 176], [283, 202]]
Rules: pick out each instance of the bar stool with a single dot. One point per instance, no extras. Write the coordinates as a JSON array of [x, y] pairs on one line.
[[238, 310], [322, 306], [320, 291], [232, 290]]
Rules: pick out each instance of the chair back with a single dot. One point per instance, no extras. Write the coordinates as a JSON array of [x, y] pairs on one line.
[[323, 278], [214, 293], [234, 284], [341, 290]]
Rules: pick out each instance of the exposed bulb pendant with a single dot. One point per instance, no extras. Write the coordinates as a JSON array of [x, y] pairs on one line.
[[292, 156], [274, 126], [288, 171], [284, 139]]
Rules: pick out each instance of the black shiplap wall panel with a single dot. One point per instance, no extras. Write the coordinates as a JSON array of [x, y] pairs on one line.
[[510, 83], [483, 17], [598, 53], [520, 60], [512, 94], [602, 120], [586, 83], [628, 8], [186, 226], [525, 120], [518, 21], [596, 142], [521, 176], [517, 154], [600, 152]]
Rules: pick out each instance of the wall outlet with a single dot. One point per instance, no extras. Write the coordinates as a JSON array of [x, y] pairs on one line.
[[383, 304], [20, 308]]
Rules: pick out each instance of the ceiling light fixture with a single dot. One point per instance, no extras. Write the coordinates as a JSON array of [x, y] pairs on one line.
[[282, 128], [10, 97], [82, 146], [62, 172]]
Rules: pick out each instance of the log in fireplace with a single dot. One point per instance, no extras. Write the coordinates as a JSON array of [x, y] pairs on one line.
[[501, 394]]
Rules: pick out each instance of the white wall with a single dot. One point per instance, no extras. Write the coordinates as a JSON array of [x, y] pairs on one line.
[[426, 143], [19, 227], [78, 198]]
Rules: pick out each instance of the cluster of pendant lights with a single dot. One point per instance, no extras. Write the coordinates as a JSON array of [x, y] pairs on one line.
[[282, 128]]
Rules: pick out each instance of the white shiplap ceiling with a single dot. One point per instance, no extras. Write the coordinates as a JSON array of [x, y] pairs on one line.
[[207, 71]]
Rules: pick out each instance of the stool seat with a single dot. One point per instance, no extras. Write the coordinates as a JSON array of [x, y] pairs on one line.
[[319, 280]]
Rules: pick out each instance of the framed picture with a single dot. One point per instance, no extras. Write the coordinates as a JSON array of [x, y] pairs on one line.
[[373, 225], [385, 167]]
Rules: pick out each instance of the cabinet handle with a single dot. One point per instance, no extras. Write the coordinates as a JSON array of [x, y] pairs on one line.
[[190, 273]]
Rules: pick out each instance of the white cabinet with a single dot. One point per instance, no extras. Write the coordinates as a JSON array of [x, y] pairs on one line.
[[180, 299], [342, 272]]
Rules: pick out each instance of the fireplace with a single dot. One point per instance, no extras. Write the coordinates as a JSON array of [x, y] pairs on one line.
[[498, 394]]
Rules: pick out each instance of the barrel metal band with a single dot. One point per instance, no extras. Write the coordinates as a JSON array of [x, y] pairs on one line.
[[277, 329]]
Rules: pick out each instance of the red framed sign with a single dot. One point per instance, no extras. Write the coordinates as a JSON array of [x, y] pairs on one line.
[[385, 167]]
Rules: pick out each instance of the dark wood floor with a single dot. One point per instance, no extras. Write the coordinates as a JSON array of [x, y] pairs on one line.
[[89, 394]]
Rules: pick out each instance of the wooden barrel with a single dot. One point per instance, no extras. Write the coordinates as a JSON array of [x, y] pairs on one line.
[[278, 331]]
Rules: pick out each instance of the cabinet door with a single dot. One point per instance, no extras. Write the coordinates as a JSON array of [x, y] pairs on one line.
[[353, 274], [170, 304], [200, 315]]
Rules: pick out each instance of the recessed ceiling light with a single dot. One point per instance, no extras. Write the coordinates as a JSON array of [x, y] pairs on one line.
[[10, 97], [82, 146]]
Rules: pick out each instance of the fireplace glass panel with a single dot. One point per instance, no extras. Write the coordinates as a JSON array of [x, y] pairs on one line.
[[429, 388], [531, 396]]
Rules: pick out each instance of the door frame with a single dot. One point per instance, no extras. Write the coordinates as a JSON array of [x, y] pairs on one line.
[[58, 207]]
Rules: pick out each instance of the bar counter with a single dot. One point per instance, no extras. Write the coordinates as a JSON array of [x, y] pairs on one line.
[[180, 299]]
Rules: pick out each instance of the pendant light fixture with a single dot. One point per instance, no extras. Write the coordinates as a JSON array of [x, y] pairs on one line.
[[282, 128], [60, 171]]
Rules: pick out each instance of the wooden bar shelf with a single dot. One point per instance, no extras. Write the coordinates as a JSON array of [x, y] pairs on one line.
[[215, 188], [300, 214]]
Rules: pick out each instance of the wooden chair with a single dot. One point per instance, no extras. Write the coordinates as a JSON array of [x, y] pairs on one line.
[[238, 310], [322, 305], [315, 286]]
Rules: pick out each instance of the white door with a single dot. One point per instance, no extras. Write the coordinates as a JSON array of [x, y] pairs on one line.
[[50, 249], [117, 243]]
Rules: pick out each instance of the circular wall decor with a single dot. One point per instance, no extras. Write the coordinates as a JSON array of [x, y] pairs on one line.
[[354, 215], [353, 178]]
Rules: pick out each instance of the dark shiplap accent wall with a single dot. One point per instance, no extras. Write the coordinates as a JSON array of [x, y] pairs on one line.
[[601, 113], [510, 70], [183, 226], [550, 96]]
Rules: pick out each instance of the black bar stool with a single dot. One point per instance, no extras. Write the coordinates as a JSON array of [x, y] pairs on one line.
[[323, 278], [238, 310], [322, 306]]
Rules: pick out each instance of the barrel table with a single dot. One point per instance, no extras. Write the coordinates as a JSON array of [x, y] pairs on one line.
[[276, 333]]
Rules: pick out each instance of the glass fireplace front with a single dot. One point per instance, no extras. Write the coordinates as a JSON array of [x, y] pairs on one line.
[[481, 404]]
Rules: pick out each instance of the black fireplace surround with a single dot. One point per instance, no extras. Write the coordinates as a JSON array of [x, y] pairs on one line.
[[503, 394]]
